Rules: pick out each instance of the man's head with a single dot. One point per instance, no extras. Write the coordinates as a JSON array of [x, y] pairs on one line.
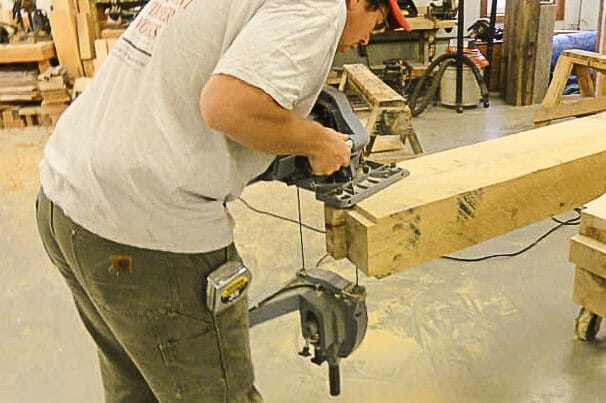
[[367, 16]]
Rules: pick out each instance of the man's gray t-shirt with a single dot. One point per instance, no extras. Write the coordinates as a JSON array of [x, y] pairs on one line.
[[132, 159]]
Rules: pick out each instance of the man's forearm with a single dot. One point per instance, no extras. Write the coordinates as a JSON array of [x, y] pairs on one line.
[[250, 117]]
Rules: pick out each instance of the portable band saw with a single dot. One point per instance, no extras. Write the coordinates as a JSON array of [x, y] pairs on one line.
[[332, 309], [348, 185]]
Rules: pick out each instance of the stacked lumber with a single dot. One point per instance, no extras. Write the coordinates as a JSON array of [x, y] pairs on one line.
[[75, 27], [53, 84], [18, 89], [588, 253], [81, 43], [11, 118], [102, 48], [18, 86]]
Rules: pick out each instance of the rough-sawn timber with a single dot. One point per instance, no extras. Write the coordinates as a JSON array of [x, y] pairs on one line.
[[463, 196]]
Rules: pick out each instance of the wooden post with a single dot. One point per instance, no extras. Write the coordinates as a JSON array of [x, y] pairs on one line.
[[542, 61], [601, 48], [527, 51], [65, 35]]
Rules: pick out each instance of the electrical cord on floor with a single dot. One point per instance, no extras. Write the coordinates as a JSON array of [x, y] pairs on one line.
[[258, 211], [573, 221]]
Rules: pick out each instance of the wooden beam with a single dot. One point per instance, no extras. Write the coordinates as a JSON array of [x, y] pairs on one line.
[[586, 58], [86, 35], [573, 105], [527, 51], [27, 52], [65, 34], [460, 197], [389, 115], [374, 91]]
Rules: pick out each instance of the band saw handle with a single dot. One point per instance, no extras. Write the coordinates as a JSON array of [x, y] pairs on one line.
[[332, 109], [334, 379]]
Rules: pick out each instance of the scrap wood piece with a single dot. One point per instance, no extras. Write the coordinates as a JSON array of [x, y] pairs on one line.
[[460, 197]]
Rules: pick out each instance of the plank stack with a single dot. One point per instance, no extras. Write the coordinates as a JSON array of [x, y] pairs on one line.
[[82, 37], [53, 86], [18, 88], [588, 253]]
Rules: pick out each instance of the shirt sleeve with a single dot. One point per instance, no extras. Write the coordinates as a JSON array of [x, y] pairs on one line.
[[283, 50]]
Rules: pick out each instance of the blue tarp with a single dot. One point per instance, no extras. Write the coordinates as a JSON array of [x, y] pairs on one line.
[[584, 40]]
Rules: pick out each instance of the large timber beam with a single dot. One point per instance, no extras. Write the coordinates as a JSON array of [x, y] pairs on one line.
[[460, 197]]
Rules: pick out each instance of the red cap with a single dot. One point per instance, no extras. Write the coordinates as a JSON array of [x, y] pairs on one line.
[[395, 18]]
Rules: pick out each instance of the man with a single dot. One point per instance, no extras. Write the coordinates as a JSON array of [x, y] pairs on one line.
[[194, 101]]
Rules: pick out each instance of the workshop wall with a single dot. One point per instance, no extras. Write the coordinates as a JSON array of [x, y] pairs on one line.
[[580, 15]]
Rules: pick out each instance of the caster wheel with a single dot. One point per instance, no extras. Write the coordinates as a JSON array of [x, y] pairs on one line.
[[459, 109], [486, 104], [587, 325]]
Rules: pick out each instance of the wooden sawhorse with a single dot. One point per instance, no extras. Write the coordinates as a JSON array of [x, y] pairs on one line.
[[384, 112], [557, 106]]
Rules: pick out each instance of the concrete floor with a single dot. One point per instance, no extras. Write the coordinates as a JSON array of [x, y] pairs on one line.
[[496, 331]]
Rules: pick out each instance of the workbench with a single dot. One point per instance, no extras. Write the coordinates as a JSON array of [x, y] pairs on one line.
[[417, 47], [428, 28]]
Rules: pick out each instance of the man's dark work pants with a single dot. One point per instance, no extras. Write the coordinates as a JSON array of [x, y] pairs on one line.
[[146, 311]]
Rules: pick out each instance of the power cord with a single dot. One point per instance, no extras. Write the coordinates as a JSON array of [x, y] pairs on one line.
[[258, 211], [573, 221]]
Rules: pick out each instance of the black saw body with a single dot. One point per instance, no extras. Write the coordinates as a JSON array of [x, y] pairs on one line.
[[348, 185]]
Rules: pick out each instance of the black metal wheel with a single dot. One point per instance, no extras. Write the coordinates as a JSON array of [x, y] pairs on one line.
[[587, 325]]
